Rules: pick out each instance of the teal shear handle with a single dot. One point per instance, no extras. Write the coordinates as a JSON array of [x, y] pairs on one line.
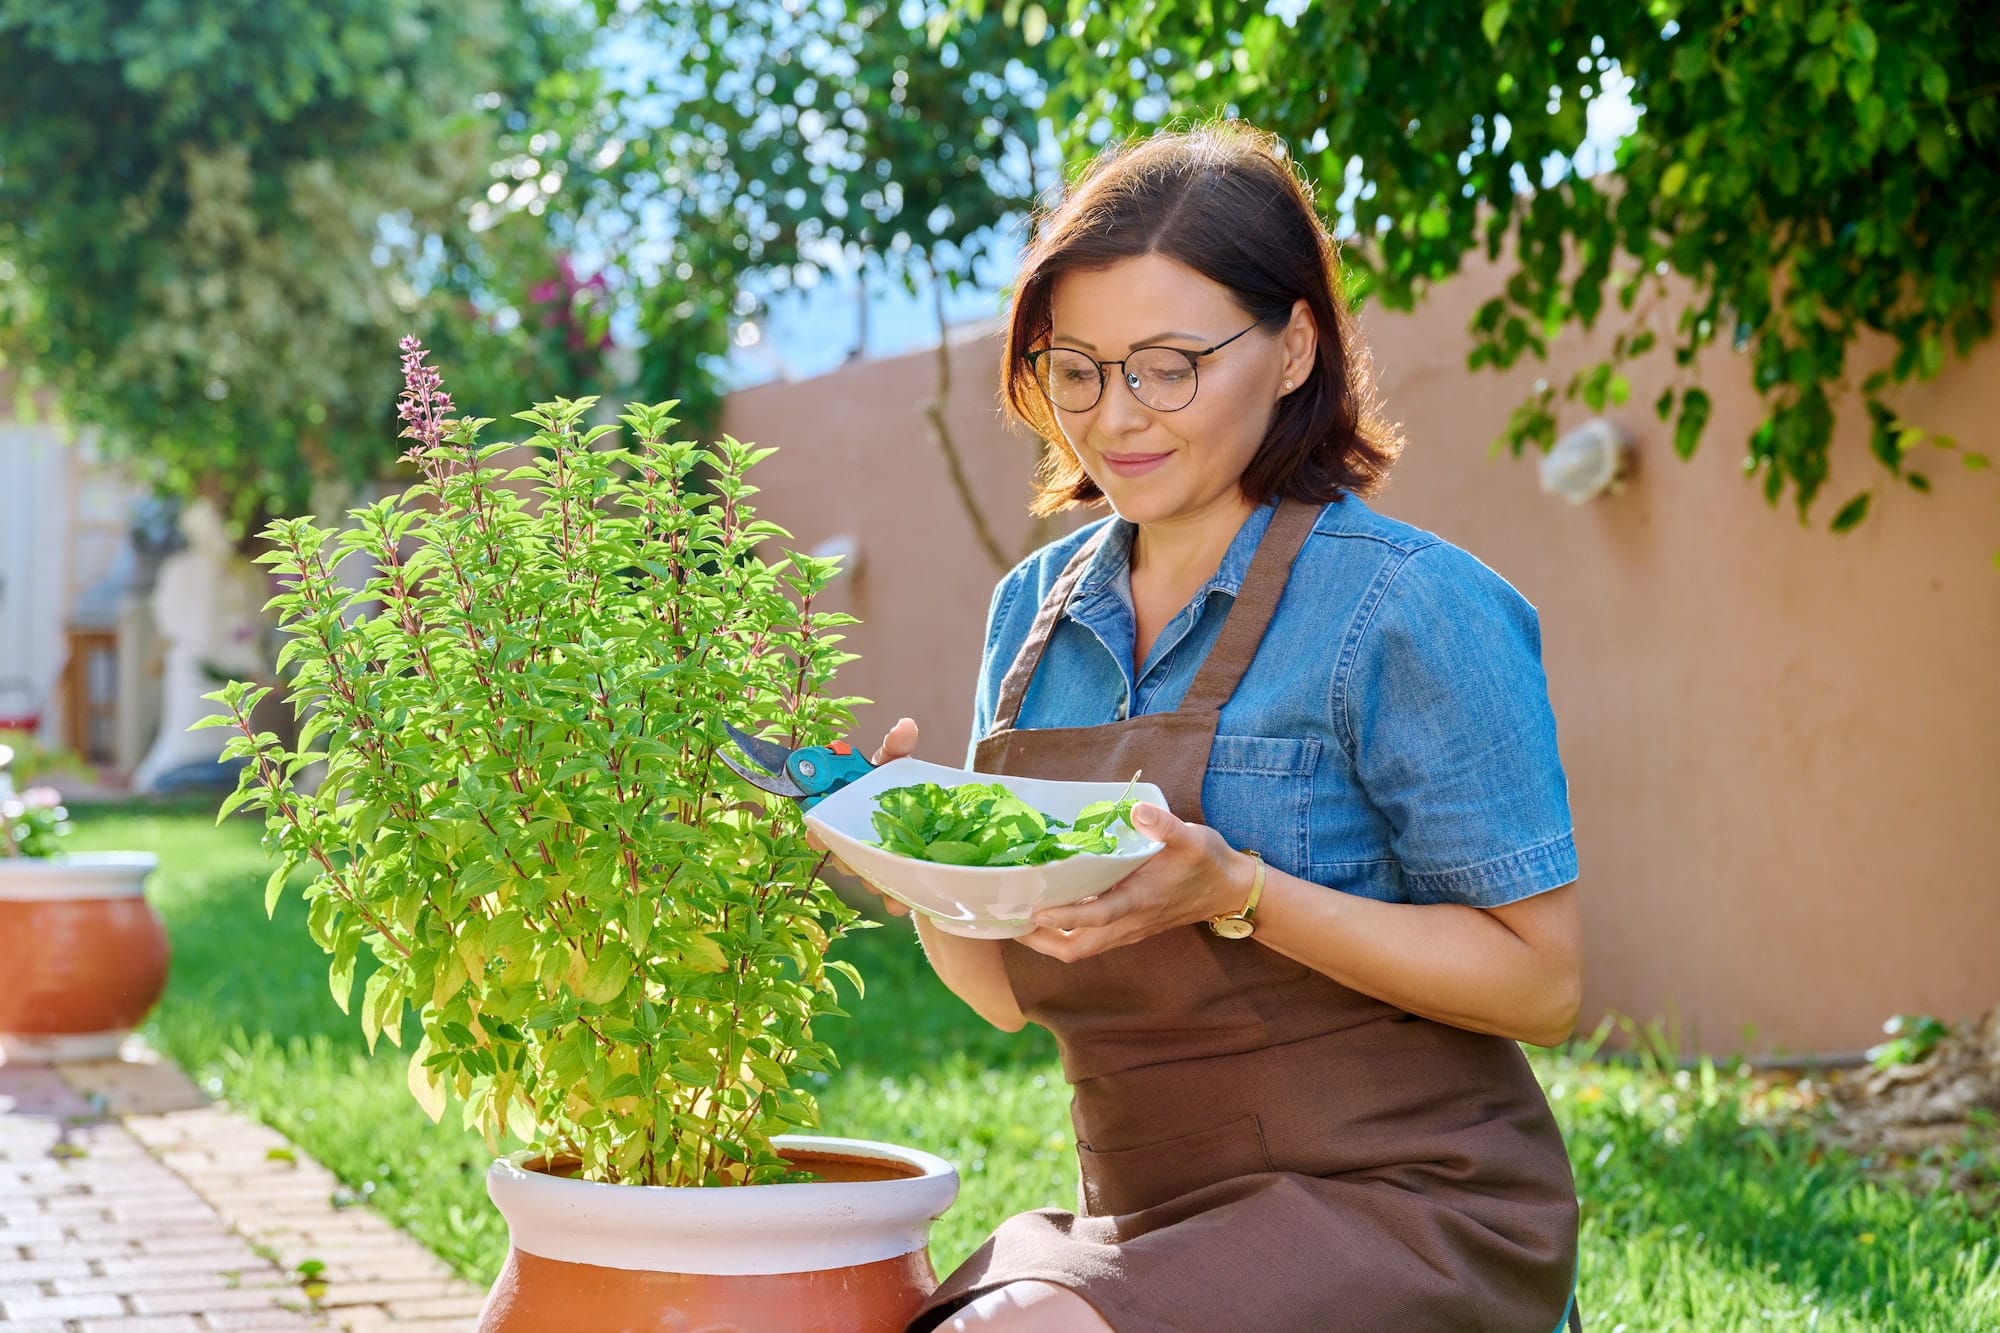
[[821, 770], [808, 775]]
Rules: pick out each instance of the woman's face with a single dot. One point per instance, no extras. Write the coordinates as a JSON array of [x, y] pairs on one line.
[[1158, 466]]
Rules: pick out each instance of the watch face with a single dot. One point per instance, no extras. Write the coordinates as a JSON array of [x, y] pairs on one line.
[[1232, 927]]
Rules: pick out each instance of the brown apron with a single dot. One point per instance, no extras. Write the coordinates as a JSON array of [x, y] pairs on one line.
[[1260, 1147]]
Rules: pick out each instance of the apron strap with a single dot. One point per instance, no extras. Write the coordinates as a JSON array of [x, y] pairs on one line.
[[1256, 602], [1014, 685], [1242, 632]]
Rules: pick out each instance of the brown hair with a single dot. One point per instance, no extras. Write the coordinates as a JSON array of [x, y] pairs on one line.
[[1224, 200]]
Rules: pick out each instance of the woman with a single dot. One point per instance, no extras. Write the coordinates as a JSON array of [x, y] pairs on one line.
[[1291, 1036]]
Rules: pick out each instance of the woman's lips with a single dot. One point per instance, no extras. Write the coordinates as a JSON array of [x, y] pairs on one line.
[[1133, 465]]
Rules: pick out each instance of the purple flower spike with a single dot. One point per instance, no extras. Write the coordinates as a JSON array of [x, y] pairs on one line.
[[424, 407]]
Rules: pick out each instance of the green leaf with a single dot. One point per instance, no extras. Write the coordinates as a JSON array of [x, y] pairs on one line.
[[1934, 151], [985, 824], [1695, 406], [1852, 512], [1860, 39], [274, 886], [425, 1084], [638, 921], [702, 953], [340, 977], [374, 998], [1493, 19], [848, 970], [1858, 78], [605, 979]]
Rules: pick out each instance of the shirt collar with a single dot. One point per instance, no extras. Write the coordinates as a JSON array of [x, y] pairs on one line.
[[1111, 564]]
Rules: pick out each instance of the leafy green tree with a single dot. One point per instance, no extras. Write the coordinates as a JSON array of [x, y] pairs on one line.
[[770, 140], [216, 216], [765, 143], [1813, 171]]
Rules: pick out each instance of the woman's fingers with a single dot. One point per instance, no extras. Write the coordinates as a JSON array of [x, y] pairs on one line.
[[818, 844], [814, 841], [901, 741], [1098, 910]]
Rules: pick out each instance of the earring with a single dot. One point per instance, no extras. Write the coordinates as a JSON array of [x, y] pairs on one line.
[[1288, 386]]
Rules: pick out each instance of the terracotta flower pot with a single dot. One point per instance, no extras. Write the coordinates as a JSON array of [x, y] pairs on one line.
[[83, 956], [847, 1254]]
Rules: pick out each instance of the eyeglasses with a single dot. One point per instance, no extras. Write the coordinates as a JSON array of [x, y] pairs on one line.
[[1162, 378]]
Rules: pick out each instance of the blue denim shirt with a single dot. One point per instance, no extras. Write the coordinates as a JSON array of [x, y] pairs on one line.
[[1393, 737]]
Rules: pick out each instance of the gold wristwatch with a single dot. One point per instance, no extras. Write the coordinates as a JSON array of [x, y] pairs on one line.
[[1240, 924]]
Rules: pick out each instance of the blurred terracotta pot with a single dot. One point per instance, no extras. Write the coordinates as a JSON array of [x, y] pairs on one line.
[[83, 956], [846, 1254]]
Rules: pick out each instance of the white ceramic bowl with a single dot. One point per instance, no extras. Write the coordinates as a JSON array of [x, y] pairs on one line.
[[982, 902]]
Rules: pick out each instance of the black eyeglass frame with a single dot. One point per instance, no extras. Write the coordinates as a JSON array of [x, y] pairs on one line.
[[1194, 368]]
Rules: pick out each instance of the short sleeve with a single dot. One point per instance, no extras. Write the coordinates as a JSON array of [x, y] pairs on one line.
[[1447, 712]]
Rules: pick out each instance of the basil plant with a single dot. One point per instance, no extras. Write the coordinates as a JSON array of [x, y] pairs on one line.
[[514, 678]]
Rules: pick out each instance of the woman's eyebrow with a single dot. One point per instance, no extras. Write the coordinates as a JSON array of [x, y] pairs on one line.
[[1143, 342]]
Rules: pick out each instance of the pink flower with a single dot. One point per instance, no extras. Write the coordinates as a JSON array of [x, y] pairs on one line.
[[424, 407]]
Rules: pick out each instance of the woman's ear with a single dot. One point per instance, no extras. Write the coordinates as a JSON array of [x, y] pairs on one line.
[[1301, 344]]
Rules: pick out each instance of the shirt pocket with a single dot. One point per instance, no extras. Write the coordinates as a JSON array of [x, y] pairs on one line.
[[1258, 795], [1380, 879]]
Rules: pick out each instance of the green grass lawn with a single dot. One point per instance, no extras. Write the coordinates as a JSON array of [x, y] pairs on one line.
[[1702, 1210]]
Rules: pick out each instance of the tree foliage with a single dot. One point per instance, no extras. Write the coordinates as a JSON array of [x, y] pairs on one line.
[[217, 215], [774, 140], [1812, 171]]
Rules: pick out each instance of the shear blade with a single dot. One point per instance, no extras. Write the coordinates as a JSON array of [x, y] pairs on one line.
[[769, 756]]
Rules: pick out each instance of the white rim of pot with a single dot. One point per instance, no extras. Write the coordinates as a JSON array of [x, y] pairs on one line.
[[62, 1047], [77, 875], [727, 1229]]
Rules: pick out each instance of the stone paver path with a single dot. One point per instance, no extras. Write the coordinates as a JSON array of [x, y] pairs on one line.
[[131, 1204]]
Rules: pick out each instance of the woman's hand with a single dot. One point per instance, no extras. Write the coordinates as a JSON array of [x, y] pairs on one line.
[[900, 742], [1196, 877]]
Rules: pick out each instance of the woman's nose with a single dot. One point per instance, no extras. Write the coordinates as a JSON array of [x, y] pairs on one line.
[[1119, 410]]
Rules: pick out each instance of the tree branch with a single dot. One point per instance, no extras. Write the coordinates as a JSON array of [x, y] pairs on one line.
[[953, 461]]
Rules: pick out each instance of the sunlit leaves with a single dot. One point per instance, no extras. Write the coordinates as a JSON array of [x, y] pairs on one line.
[[516, 674], [1845, 153]]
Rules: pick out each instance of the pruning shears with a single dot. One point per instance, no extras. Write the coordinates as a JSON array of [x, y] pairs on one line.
[[808, 775]]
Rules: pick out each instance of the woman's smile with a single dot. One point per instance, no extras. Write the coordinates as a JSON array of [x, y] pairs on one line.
[[1133, 464]]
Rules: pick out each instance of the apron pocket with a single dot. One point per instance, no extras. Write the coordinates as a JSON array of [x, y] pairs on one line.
[[1129, 1180]]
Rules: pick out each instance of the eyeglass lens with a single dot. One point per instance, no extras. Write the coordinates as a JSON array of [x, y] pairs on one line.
[[1160, 377]]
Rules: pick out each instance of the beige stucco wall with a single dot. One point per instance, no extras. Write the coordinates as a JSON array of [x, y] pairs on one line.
[[1783, 746]]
